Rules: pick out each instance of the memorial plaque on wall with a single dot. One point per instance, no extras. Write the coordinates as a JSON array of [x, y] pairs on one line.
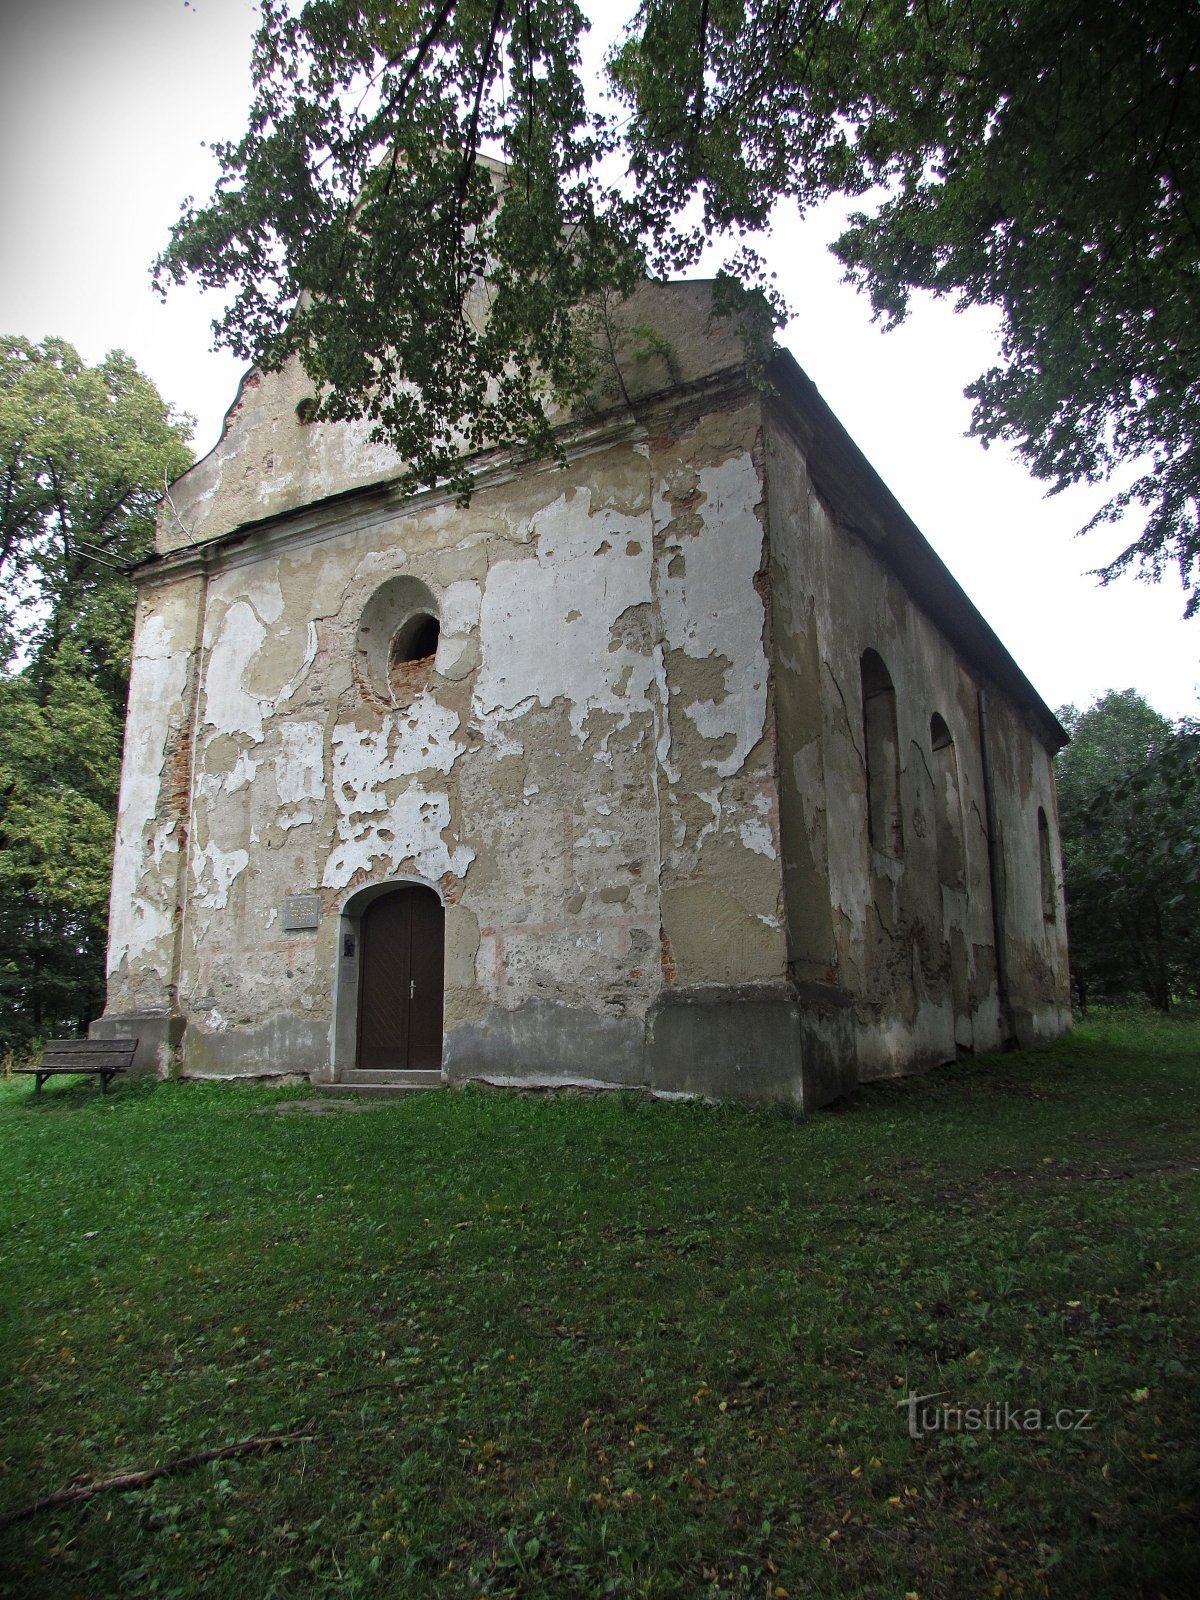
[[301, 912]]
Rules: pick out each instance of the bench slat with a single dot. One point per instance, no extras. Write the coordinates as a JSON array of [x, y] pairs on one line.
[[95, 1058], [88, 1046], [91, 1052], [78, 1070]]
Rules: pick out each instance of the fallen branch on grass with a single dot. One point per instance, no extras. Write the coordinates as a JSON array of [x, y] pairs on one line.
[[86, 1488], [361, 1388]]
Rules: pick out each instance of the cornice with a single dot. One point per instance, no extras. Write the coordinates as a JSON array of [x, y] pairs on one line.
[[365, 507]]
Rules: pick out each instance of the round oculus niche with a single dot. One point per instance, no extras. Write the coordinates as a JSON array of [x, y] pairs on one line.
[[397, 641]]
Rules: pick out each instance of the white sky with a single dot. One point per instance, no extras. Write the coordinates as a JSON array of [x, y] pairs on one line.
[[104, 107]]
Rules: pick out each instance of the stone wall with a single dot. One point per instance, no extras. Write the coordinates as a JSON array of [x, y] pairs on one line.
[[904, 923]]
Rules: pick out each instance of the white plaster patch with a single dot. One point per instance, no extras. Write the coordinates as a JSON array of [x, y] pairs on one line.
[[298, 677], [158, 677], [243, 772], [532, 653], [502, 744], [371, 830], [459, 623], [299, 773], [460, 607], [346, 453], [388, 561], [410, 741], [415, 822], [137, 926], [215, 871], [714, 610], [266, 597], [757, 836], [712, 799], [662, 747], [163, 843], [228, 706]]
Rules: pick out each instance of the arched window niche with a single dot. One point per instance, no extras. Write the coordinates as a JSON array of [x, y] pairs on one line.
[[947, 805], [882, 747], [397, 641], [1046, 867]]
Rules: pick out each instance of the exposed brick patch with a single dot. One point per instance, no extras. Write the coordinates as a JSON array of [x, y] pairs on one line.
[[409, 678], [669, 969]]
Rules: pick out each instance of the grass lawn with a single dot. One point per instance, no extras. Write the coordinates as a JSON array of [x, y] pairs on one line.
[[608, 1346]]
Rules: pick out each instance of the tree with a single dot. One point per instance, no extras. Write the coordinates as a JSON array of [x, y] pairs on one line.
[[85, 451], [1043, 160], [362, 229], [60, 757], [1129, 812]]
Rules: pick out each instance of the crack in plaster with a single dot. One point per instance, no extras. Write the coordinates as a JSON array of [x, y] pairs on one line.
[[846, 713]]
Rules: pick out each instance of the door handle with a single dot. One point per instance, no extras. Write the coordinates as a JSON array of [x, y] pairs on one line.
[[412, 988]]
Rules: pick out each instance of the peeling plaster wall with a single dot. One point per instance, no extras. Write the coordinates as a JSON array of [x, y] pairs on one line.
[[916, 955], [722, 910], [633, 774], [587, 778], [151, 838]]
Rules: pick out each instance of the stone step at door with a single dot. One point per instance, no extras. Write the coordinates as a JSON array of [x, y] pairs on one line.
[[369, 1079]]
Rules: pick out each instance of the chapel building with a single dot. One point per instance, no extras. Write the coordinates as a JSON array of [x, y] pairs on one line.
[[685, 765]]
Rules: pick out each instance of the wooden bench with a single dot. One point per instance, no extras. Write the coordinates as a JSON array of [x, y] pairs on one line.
[[102, 1058]]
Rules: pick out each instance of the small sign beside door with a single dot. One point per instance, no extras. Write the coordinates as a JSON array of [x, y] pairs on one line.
[[301, 912]]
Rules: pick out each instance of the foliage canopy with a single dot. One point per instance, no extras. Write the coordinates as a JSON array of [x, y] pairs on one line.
[[1042, 160], [1129, 811], [85, 453]]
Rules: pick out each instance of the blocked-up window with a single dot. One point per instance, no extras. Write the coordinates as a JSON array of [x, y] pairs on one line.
[[1046, 861], [410, 656], [947, 803], [882, 747]]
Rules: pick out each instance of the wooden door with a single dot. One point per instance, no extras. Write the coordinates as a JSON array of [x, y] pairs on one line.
[[402, 962]]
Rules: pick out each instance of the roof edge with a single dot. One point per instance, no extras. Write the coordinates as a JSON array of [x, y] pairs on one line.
[[841, 472]]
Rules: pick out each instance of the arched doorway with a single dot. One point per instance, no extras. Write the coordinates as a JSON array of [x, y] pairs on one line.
[[402, 937]]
